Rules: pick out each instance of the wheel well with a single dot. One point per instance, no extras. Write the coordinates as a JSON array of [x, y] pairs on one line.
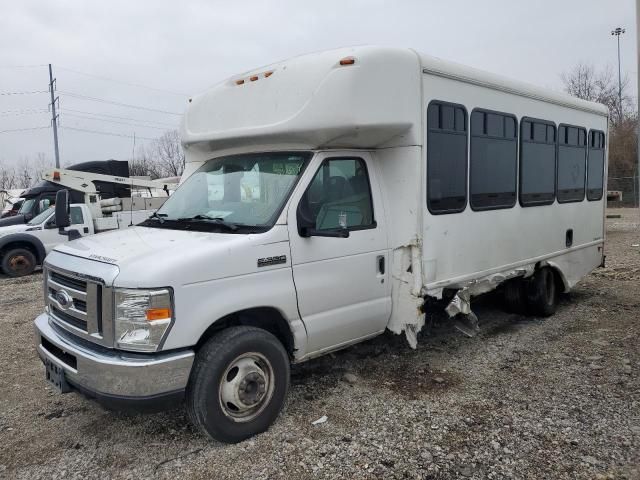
[[558, 276], [266, 318], [20, 244]]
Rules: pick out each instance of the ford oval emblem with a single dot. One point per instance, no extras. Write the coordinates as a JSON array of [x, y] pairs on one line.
[[63, 299]]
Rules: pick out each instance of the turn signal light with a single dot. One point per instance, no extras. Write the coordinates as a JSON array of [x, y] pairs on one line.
[[347, 61], [158, 314]]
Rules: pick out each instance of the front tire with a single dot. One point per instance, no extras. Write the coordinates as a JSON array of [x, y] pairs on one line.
[[18, 262], [238, 384], [543, 293]]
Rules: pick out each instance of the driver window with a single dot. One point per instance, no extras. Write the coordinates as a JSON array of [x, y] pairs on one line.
[[44, 204], [75, 216], [339, 196]]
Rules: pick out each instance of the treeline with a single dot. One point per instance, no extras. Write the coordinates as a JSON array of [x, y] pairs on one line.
[[586, 82]]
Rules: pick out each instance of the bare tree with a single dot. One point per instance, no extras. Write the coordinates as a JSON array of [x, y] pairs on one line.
[[623, 148], [7, 177], [144, 164], [163, 157], [585, 82], [169, 155]]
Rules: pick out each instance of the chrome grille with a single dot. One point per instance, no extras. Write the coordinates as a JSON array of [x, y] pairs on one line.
[[75, 304]]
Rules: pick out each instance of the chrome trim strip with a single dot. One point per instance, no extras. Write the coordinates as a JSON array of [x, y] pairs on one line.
[[58, 286]]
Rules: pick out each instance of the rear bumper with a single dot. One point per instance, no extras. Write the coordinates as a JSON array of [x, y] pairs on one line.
[[116, 379]]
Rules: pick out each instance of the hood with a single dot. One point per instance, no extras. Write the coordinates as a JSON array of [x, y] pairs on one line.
[[156, 257], [6, 230], [15, 220]]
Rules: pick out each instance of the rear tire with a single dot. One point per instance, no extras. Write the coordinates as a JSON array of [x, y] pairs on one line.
[[18, 262], [238, 384], [543, 292], [515, 296]]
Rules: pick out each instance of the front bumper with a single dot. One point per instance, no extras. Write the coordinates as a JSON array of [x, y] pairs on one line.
[[115, 378]]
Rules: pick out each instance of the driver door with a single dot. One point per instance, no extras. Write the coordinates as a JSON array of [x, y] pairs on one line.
[[50, 236], [342, 284]]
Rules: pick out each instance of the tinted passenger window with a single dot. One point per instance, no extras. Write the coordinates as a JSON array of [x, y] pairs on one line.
[[446, 157], [572, 156], [339, 196], [537, 162], [493, 160], [595, 165]]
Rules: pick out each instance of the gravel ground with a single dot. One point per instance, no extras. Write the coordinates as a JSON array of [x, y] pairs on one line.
[[527, 398]]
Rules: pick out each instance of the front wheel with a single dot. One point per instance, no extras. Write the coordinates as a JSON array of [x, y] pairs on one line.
[[18, 262], [238, 384]]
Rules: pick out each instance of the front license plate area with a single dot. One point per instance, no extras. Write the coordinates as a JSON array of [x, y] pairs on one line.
[[55, 376]]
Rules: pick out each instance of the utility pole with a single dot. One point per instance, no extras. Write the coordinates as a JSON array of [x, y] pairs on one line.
[[54, 117], [617, 32], [638, 80]]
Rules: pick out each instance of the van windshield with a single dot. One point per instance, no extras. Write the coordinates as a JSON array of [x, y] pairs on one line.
[[235, 194]]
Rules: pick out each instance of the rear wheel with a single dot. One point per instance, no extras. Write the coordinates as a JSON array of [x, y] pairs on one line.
[[18, 262], [515, 296], [238, 384], [543, 292]]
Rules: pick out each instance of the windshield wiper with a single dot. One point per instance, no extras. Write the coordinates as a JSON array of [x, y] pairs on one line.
[[217, 220], [158, 216]]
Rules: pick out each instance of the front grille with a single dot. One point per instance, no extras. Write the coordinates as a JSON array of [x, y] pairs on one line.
[[80, 305], [68, 281], [70, 319], [75, 304]]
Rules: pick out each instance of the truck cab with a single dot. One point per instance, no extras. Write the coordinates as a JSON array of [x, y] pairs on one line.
[[25, 245]]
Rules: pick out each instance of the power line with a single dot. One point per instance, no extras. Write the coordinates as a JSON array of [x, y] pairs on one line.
[[128, 105], [24, 93], [65, 109], [23, 66], [99, 132], [31, 111], [113, 121], [122, 82], [23, 129]]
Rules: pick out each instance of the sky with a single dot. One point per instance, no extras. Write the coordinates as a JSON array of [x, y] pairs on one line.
[[152, 55]]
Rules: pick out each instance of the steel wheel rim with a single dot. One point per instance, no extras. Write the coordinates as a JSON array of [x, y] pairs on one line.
[[19, 264], [246, 387]]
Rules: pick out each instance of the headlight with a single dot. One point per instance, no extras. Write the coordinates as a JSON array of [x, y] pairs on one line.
[[142, 318]]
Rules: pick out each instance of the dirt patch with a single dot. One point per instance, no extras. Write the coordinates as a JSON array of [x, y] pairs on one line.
[[527, 398]]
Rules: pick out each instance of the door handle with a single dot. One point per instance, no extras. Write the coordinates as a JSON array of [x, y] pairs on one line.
[[380, 262]]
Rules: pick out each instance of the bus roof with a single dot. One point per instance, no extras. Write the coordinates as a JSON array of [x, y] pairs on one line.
[[355, 97]]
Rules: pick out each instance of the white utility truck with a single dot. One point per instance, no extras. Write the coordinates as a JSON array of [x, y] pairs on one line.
[[327, 198], [24, 246]]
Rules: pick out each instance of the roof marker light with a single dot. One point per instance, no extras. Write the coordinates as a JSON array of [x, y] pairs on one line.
[[253, 78], [347, 61], [268, 74], [239, 82], [56, 175]]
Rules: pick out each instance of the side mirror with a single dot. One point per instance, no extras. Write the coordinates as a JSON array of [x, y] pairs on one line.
[[62, 209]]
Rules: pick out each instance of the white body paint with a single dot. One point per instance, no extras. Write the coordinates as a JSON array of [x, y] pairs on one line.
[[330, 290]]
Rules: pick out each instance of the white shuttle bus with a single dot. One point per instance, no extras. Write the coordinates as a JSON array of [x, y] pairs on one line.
[[327, 198]]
